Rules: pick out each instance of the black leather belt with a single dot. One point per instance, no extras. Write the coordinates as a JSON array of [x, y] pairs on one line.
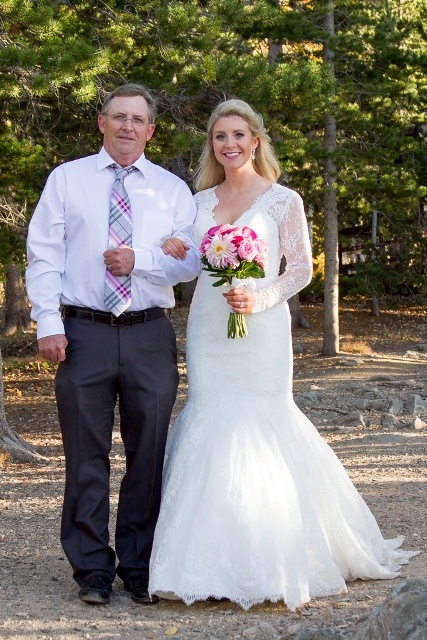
[[124, 319]]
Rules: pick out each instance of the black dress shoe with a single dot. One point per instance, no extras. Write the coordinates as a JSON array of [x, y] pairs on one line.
[[95, 590], [138, 588]]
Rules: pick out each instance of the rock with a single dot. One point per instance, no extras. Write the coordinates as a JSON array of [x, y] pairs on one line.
[[371, 404], [360, 403], [396, 407], [381, 377], [418, 424], [351, 385], [352, 419], [418, 355], [303, 402], [416, 405], [320, 395], [319, 633], [384, 438], [345, 430], [370, 392], [422, 347], [350, 362], [378, 404], [402, 615], [268, 630], [407, 383], [293, 629], [297, 348], [389, 421]]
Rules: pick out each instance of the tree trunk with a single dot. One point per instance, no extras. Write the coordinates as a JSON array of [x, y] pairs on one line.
[[10, 442], [298, 319], [274, 51], [331, 345], [17, 311], [187, 292], [375, 301]]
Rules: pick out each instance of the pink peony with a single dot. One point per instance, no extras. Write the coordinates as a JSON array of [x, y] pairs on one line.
[[220, 228], [246, 232], [206, 242], [213, 230]]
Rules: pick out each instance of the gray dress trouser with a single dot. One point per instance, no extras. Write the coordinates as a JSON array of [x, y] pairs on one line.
[[137, 365]]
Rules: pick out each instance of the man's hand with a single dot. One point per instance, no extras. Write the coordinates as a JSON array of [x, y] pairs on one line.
[[53, 347], [120, 261]]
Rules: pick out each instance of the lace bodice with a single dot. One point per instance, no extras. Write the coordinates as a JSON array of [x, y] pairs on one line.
[[286, 210]]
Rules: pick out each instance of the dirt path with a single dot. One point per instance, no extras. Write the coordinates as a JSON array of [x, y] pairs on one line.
[[37, 594]]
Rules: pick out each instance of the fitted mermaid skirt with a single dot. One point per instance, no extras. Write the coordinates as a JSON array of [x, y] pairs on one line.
[[256, 506]]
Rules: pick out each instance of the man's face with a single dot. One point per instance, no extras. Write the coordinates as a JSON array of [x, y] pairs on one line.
[[126, 128]]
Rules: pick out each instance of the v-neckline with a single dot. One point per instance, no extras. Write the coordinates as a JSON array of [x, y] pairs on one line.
[[243, 212]]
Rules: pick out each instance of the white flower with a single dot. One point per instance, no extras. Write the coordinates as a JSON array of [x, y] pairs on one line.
[[221, 251]]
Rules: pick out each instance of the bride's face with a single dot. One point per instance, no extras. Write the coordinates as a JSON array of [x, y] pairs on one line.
[[232, 142]]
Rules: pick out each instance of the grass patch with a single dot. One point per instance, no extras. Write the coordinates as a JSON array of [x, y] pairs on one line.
[[18, 345], [4, 457], [352, 344]]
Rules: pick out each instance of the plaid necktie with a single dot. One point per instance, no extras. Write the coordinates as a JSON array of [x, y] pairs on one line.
[[117, 294]]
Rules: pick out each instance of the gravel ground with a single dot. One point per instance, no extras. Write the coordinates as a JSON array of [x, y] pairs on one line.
[[38, 598]]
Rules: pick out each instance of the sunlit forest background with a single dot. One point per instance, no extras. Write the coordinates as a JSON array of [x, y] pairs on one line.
[[342, 87]]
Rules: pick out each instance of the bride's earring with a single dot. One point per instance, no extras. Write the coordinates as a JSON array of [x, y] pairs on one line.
[[253, 153]]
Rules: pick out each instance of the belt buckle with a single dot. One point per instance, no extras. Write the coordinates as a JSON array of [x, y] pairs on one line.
[[114, 321]]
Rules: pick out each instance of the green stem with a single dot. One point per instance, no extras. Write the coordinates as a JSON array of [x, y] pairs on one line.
[[237, 326]]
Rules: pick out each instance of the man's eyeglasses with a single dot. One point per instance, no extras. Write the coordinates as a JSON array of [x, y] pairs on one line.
[[136, 122]]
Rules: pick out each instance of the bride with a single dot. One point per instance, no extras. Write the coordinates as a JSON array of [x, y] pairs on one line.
[[255, 505]]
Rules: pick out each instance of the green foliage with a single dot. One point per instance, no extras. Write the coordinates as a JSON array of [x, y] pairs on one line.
[[226, 274], [58, 60]]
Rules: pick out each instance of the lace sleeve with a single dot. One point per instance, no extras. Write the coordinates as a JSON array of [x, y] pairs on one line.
[[295, 241]]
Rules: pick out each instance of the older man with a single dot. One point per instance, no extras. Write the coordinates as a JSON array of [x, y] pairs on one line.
[[100, 287]]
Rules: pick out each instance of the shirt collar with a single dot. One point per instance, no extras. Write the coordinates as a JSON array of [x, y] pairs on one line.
[[104, 160]]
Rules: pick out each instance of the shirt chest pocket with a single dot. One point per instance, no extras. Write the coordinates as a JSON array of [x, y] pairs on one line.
[[151, 227]]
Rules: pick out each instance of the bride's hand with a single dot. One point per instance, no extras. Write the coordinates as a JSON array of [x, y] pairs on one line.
[[240, 300], [176, 248]]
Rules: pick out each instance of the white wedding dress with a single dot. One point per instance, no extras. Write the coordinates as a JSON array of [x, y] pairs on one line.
[[256, 506]]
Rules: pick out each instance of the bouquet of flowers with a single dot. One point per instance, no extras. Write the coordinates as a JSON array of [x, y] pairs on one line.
[[234, 255]]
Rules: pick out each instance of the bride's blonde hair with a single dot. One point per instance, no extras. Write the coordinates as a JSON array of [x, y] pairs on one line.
[[210, 172]]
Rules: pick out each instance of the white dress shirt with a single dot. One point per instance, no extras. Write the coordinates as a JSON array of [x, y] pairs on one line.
[[68, 235]]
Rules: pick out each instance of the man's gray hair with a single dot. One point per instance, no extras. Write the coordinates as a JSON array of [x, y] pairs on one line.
[[129, 90]]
